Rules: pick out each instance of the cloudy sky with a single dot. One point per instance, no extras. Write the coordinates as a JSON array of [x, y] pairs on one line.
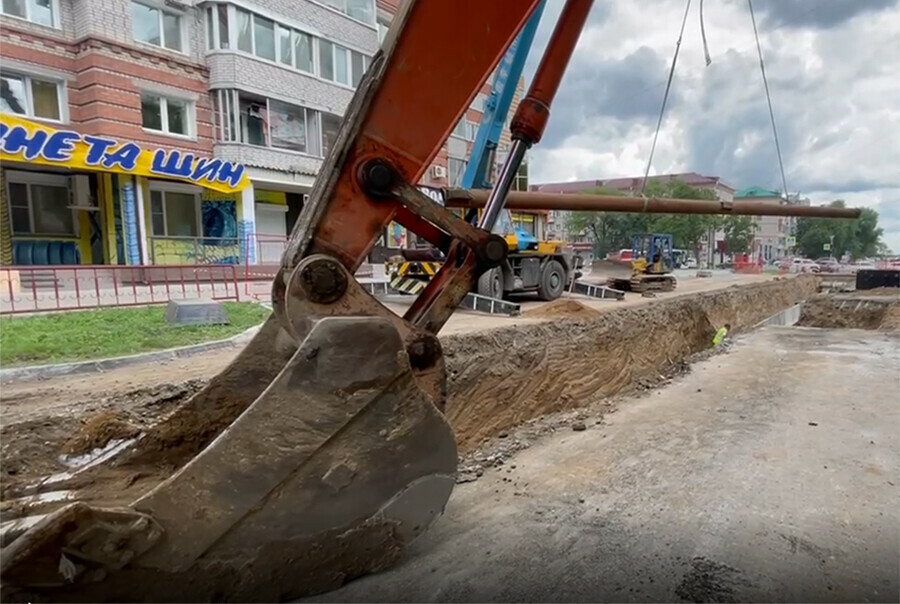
[[834, 75]]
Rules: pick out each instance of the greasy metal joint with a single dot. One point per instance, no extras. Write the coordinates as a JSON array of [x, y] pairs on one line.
[[323, 281], [493, 251], [530, 121], [424, 351], [377, 177]]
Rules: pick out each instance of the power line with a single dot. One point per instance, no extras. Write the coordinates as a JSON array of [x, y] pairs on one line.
[[662, 109], [762, 68]]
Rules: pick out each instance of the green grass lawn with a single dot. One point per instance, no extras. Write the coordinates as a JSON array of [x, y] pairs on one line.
[[110, 332]]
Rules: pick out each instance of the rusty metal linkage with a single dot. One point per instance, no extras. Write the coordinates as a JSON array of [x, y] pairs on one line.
[[475, 198]]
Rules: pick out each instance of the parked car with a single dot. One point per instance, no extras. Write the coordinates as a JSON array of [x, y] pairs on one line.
[[804, 265], [829, 264], [785, 263], [690, 263]]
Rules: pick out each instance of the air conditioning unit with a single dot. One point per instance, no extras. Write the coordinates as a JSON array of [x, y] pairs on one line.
[[438, 171], [80, 194]]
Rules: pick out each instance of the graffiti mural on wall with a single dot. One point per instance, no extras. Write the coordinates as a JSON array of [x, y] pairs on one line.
[[220, 243]]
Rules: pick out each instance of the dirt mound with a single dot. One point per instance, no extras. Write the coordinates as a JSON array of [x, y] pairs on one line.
[[31, 449], [98, 431], [854, 311], [561, 308]]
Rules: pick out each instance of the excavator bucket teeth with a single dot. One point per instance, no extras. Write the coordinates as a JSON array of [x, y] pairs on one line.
[[326, 476]]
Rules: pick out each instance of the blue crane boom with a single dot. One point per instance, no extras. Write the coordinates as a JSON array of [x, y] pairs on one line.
[[496, 108]]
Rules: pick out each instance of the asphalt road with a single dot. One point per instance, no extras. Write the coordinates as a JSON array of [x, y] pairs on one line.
[[770, 473]]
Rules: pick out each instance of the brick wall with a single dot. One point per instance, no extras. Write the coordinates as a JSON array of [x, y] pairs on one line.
[[103, 80], [111, 20]]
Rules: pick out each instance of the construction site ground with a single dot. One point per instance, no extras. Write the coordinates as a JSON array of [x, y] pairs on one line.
[[763, 475], [606, 452]]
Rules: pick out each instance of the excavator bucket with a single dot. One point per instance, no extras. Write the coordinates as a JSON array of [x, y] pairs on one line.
[[322, 450]]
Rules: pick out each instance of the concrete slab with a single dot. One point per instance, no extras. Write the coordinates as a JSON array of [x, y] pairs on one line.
[[770, 473]]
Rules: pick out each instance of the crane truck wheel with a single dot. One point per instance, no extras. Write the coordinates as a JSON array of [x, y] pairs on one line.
[[491, 284], [553, 281]]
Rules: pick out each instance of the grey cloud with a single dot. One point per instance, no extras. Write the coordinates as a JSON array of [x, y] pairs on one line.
[[820, 14], [594, 89]]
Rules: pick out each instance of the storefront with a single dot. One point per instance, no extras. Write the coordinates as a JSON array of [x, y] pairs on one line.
[[69, 198]]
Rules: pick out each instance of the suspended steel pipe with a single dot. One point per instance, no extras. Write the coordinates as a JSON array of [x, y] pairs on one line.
[[476, 198]]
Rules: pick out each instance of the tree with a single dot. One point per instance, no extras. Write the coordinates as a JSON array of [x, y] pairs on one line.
[[739, 232], [614, 230], [859, 237], [609, 230]]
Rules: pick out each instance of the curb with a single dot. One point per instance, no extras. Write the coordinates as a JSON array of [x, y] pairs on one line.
[[43, 372]]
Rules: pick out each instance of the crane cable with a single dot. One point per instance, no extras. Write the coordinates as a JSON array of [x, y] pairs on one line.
[[762, 68], [708, 58], [662, 109]]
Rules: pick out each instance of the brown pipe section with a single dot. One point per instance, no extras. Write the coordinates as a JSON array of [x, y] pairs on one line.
[[475, 198], [531, 116]]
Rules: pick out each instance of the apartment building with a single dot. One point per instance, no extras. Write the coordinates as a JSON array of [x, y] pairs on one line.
[[257, 89], [775, 236]]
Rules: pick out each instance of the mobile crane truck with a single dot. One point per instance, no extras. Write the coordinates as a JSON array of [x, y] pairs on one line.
[[322, 451]]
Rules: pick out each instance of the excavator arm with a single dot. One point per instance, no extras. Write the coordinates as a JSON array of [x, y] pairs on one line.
[[321, 451]]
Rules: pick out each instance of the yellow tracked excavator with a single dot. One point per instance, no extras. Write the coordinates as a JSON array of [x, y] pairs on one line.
[[322, 451]]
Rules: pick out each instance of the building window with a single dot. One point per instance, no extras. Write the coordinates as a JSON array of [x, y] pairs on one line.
[[42, 12], [156, 26], [34, 97], [174, 213], [263, 122], [455, 170], [264, 38], [478, 103], [166, 115], [331, 124], [521, 181], [281, 44], [303, 52], [361, 10], [38, 204], [341, 65], [465, 129], [383, 26]]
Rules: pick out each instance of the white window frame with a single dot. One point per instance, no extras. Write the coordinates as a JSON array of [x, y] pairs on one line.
[[172, 187], [164, 115], [61, 97], [54, 14], [226, 102], [345, 12], [316, 38], [37, 178], [383, 26], [182, 26]]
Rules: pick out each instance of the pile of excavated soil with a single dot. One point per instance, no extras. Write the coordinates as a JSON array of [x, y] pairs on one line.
[[98, 431], [31, 449], [561, 308], [505, 377], [852, 311]]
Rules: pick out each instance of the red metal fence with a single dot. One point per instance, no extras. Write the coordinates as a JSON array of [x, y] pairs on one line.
[[29, 289]]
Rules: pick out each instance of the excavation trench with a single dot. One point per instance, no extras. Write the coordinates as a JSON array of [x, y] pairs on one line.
[[502, 378], [872, 309]]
